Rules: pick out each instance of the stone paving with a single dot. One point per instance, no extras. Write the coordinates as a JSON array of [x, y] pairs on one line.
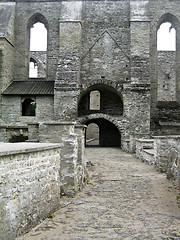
[[124, 199]]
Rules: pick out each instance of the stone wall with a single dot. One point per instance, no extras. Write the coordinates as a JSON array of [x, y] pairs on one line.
[[7, 42], [12, 109], [167, 156], [105, 41], [164, 153], [144, 150], [24, 12], [13, 134], [166, 87], [72, 155], [40, 58], [166, 11], [136, 109], [29, 186]]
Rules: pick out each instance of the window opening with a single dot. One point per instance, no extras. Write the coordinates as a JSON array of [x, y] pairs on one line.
[[166, 37], [33, 68], [28, 107], [38, 37], [95, 100], [166, 81], [38, 50]]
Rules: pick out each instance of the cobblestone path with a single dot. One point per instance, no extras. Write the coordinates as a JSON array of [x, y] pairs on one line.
[[125, 199]]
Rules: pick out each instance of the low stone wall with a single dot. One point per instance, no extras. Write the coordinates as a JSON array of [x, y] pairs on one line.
[[164, 153], [144, 150], [29, 180], [167, 156]]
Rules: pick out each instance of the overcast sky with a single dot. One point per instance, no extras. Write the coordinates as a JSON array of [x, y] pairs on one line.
[[38, 35], [166, 38]]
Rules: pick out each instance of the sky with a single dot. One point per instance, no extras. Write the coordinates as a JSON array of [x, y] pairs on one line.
[[166, 38], [38, 37]]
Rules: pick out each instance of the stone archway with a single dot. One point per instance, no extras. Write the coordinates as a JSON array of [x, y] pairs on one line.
[[109, 135], [92, 135]]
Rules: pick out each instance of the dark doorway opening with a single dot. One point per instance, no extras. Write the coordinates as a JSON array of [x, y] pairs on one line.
[[102, 133]]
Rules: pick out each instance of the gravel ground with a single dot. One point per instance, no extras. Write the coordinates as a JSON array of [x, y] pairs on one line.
[[124, 199]]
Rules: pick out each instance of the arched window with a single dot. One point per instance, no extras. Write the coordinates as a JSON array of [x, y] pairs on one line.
[[28, 107], [33, 68], [38, 37], [167, 33], [38, 31], [95, 98], [166, 37]]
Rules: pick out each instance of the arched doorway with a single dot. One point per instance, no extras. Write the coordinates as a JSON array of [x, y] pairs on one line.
[[92, 135], [109, 135]]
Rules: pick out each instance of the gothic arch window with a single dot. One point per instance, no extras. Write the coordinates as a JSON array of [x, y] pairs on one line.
[[167, 51], [29, 107], [38, 38], [166, 37]]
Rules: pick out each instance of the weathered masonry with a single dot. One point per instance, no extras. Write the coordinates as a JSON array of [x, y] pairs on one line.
[[99, 65], [99, 75], [29, 181]]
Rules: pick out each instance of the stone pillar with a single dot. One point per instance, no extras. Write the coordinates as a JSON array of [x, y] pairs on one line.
[[67, 75], [137, 93], [140, 42]]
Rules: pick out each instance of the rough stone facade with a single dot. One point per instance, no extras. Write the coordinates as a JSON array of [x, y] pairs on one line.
[[29, 185], [109, 47], [90, 50]]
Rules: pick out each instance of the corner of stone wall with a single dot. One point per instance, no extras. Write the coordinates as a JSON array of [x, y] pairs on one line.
[[72, 172]]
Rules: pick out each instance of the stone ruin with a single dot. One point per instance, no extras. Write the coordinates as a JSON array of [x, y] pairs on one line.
[[101, 79]]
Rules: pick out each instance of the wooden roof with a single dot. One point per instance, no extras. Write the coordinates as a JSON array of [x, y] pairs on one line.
[[30, 88]]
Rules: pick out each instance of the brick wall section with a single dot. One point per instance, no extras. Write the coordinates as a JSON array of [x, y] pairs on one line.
[[29, 186]]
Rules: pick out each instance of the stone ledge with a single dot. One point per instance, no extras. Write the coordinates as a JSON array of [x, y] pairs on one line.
[[17, 148], [145, 140], [167, 137], [149, 151]]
